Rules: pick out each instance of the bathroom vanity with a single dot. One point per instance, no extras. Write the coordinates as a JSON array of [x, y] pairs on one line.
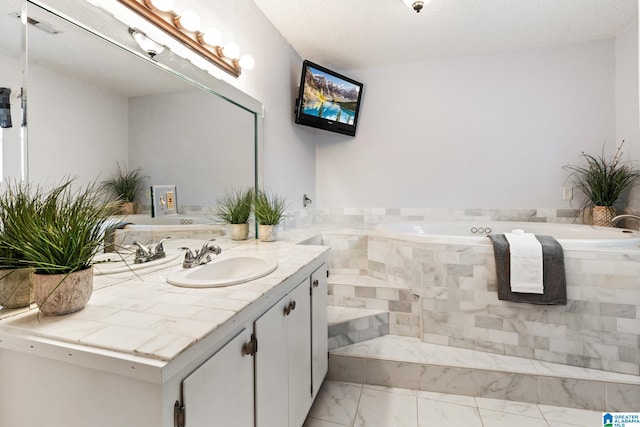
[[146, 353]]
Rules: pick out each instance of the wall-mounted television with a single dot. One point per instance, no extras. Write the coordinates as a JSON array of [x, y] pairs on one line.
[[328, 100]]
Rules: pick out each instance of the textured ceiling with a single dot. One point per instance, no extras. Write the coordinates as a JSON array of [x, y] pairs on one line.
[[352, 34]]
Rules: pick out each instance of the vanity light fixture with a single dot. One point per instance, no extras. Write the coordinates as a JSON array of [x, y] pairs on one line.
[[230, 50], [188, 20], [416, 5], [246, 62], [185, 27], [161, 5], [211, 36]]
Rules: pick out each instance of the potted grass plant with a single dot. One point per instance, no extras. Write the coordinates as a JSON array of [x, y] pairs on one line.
[[604, 183], [268, 209], [58, 232], [234, 208], [16, 287], [125, 185]]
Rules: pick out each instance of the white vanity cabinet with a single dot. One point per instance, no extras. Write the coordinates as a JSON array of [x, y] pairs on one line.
[[291, 360], [220, 391], [319, 329], [262, 367]]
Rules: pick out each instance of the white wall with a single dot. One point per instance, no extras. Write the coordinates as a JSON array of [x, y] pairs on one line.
[[11, 77], [289, 150], [627, 96], [482, 131], [196, 141], [84, 134]]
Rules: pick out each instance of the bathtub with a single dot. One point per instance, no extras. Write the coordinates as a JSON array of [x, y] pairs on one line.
[[146, 219], [144, 228], [570, 236], [449, 267]]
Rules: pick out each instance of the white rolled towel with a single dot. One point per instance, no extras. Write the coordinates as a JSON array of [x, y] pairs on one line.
[[526, 262]]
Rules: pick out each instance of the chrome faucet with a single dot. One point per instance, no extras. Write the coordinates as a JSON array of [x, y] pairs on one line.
[[201, 256], [149, 253], [623, 216]]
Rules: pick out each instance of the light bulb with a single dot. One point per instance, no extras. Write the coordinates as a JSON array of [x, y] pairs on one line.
[[149, 46], [211, 36], [231, 50], [416, 5], [246, 62], [161, 5], [189, 20]]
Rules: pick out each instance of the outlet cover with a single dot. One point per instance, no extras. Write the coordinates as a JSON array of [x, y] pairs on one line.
[[567, 193]]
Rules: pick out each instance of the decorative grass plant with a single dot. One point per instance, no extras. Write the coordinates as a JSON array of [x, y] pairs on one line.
[[234, 206], [56, 231], [604, 182], [269, 208], [126, 184]]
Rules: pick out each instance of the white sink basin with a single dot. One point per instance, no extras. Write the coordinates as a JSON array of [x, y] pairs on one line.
[[121, 262], [223, 271]]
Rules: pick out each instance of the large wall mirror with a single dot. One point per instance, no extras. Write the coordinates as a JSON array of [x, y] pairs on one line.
[[96, 101]]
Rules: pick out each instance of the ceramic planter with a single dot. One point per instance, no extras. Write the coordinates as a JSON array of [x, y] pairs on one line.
[[267, 233], [58, 294], [16, 288], [239, 231]]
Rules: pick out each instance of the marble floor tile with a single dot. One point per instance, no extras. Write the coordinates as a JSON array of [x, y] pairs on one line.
[[439, 413], [312, 422], [450, 398], [353, 405], [502, 419], [571, 416], [510, 407], [379, 408], [337, 403]]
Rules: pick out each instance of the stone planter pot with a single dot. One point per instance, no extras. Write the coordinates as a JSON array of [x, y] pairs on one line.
[[16, 288], [267, 233], [239, 231], [602, 215], [58, 294]]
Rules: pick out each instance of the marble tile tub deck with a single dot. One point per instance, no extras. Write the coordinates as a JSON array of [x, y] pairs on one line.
[[342, 404], [396, 361]]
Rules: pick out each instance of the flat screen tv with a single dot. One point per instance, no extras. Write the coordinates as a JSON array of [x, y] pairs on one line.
[[328, 100]]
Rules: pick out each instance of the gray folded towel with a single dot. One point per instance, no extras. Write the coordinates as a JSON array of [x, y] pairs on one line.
[[553, 274]]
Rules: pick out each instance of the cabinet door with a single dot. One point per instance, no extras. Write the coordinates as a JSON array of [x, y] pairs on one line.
[[271, 364], [220, 392], [319, 329], [299, 328]]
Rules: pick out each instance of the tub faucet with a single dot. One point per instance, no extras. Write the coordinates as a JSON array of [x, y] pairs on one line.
[[201, 256], [619, 217]]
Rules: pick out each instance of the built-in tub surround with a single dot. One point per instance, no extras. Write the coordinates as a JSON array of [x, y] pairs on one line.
[[143, 228], [456, 286]]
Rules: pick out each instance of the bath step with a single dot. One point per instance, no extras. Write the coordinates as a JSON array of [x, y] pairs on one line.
[[358, 291], [405, 362], [352, 325]]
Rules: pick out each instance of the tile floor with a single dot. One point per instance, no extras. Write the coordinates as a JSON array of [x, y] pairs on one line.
[[342, 404]]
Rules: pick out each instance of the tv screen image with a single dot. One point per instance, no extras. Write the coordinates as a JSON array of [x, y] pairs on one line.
[[328, 100]]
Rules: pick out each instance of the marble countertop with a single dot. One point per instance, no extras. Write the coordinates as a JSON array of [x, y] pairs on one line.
[[144, 317]]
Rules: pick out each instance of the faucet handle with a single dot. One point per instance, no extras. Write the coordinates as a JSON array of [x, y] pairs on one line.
[[141, 250], [208, 246], [159, 247], [188, 257]]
